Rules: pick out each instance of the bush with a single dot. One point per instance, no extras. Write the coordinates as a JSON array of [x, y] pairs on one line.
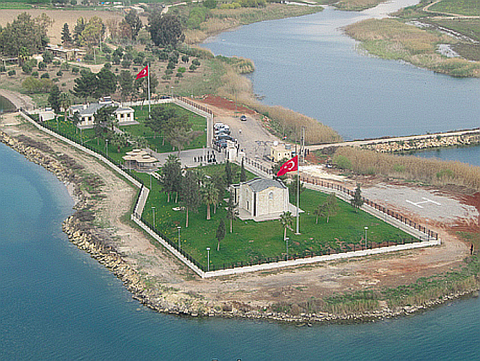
[[196, 62], [65, 65], [75, 70], [126, 63], [116, 59], [45, 76], [56, 63], [108, 57], [27, 68], [47, 57], [42, 65], [35, 74], [88, 57], [107, 66], [342, 162], [179, 75], [59, 73], [11, 72], [193, 67], [3, 69]]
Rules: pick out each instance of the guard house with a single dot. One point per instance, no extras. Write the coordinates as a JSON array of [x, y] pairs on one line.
[[67, 54], [281, 151], [261, 199], [86, 112]]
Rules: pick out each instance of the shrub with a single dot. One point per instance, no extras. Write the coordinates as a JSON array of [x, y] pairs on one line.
[[56, 62], [45, 76], [11, 72], [35, 74], [196, 62], [179, 75], [42, 65], [342, 162], [27, 68], [193, 67], [59, 73], [126, 63], [75, 70], [107, 66], [3, 69], [65, 65], [181, 69]]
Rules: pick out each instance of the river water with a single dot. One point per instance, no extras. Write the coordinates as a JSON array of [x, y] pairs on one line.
[[56, 303], [307, 64]]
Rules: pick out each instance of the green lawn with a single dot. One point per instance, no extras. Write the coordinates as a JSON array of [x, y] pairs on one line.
[[462, 7], [253, 242], [87, 136]]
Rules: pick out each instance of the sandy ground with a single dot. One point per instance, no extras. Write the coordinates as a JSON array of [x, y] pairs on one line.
[[290, 285], [60, 17]]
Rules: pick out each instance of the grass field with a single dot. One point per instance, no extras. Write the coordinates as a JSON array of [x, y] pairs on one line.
[[87, 136], [253, 242], [461, 7]]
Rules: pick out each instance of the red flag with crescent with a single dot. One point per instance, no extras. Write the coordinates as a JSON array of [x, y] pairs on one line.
[[288, 166], [142, 73]]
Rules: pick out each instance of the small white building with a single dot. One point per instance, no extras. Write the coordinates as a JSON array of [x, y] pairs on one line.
[[261, 199], [86, 112], [281, 151]]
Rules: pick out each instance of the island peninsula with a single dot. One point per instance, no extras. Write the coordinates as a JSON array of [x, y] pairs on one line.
[[337, 290]]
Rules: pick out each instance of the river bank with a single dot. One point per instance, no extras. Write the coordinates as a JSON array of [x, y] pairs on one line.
[[157, 280]]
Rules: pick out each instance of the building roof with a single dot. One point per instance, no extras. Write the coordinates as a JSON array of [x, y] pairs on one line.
[[260, 184], [92, 108]]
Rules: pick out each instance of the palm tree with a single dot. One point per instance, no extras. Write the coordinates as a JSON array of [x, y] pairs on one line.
[[209, 195], [286, 219], [65, 101]]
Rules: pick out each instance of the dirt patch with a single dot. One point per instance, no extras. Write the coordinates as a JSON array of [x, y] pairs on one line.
[[226, 105], [60, 17]]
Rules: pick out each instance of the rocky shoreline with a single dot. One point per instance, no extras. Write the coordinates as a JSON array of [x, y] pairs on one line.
[[86, 238], [439, 141]]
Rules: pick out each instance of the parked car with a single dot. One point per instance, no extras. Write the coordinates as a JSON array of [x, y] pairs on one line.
[[221, 143], [225, 137], [243, 118], [218, 126], [222, 131]]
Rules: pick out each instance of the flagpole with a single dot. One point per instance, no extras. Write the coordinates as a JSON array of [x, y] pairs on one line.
[[148, 85], [298, 191]]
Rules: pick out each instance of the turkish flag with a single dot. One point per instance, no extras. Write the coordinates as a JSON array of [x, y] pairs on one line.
[[288, 166], [143, 73]]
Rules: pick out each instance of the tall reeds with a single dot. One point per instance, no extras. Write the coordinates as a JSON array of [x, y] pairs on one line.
[[431, 171]]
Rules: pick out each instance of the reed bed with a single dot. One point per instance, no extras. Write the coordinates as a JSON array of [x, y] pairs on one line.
[[393, 39], [431, 171]]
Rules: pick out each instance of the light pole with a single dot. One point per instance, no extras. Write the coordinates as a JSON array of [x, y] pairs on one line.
[[153, 210], [179, 236], [366, 242], [106, 146], [208, 259], [150, 174], [286, 240]]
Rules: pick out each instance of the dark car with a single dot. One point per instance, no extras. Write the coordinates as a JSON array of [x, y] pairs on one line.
[[224, 137], [221, 143], [243, 118]]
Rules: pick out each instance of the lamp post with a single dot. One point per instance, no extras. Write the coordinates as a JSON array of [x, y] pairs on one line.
[[366, 242], [106, 146], [150, 174], [178, 227], [286, 240], [153, 210], [386, 200], [208, 259]]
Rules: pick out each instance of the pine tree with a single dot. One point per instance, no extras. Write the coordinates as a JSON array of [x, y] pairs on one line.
[[66, 36], [357, 200], [243, 175], [228, 173], [54, 98], [220, 233]]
